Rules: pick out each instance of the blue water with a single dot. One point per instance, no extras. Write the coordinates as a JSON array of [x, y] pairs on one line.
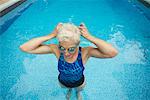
[[119, 22]]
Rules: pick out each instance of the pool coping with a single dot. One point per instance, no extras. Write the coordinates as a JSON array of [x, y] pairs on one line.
[[9, 6]]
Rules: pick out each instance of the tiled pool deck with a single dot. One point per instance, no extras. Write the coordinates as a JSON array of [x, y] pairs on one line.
[[3, 1]]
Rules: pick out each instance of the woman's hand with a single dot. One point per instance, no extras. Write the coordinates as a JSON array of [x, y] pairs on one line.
[[103, 50], [55, 32], [84, 31]]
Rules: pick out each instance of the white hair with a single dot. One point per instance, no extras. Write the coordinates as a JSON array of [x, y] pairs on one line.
[[67, 32]]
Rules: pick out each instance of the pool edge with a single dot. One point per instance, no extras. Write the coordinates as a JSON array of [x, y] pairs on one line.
[[145, 3], [11, 7]]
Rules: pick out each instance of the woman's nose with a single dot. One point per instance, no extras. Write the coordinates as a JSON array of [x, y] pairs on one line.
[[66, 52]]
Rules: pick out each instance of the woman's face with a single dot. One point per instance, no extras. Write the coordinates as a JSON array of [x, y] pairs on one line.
[[68, 48]]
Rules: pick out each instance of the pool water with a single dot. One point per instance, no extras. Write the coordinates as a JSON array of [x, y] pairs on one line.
[[123, 23]]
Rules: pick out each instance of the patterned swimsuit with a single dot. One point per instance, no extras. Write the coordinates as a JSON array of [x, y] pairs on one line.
[[71, 74]]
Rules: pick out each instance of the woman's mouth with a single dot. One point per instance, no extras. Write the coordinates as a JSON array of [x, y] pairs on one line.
[[67, 56]]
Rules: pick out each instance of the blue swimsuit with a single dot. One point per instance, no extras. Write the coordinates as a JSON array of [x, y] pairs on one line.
[[71, 74]]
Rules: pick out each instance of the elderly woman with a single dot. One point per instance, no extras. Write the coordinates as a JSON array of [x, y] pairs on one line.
[[71, 57]]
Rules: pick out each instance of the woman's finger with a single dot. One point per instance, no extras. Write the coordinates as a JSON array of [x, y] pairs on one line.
[[82, 24], [59, 25], [82, 27]]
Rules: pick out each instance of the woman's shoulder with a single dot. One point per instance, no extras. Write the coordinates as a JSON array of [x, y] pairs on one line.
[[55, 50], [84, 51]]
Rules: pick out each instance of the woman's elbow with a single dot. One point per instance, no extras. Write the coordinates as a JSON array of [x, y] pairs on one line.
[[113, 53], [22, 48]]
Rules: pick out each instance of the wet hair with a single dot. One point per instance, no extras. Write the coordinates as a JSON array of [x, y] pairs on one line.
[[69, 32]]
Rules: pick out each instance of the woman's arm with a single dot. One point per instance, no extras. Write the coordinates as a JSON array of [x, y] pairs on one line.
[[103, 50], [35, 45]]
